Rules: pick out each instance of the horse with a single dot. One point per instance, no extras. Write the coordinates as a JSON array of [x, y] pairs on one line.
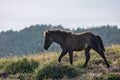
[[70, 42]]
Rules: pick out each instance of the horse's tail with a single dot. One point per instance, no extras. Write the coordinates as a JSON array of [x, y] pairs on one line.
[[100, 43]]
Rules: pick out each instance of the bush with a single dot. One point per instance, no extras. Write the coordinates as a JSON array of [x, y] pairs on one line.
[[113, 76], [21, 76], [56, 71], [22, 66]]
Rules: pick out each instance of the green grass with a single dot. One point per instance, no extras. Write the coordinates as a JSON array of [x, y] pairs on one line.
[[46, 66]]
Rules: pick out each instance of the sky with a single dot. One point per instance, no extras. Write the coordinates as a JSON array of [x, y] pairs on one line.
[[18, 14]]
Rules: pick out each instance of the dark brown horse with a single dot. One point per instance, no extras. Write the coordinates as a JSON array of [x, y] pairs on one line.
[[70, 42]]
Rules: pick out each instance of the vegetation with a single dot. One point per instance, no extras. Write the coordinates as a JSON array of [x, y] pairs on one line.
[[22, 66], [56, 71], [46, 67], [30, 40]]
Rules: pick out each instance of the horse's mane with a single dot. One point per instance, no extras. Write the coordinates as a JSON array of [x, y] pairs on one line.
[[59, 32]]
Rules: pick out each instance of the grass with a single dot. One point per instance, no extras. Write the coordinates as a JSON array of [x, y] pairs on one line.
[[46, 66]]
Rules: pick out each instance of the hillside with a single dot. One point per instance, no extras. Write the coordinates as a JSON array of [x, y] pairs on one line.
[[46, 67], [30, 40]]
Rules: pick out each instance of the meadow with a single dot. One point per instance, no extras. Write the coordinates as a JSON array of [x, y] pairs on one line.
[[46, 66]]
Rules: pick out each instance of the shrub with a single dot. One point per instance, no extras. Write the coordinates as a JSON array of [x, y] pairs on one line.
[[56, 71], [22, 76], [113, 76], [22, 66]]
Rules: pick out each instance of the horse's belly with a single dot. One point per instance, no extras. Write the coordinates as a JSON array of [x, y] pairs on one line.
[[80, 47]]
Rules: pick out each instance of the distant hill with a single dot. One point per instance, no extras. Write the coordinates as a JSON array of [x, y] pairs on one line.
[[30, 40]]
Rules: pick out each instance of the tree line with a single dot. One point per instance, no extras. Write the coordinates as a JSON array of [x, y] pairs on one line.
[[31, 40]]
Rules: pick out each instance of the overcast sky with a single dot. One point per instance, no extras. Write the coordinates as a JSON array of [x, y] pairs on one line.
[[18, 14]]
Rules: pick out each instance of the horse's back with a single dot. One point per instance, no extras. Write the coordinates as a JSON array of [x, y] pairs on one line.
[[84, 36], [87, 34], [83, 40]]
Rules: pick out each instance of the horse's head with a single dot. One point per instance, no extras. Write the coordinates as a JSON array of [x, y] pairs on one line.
[[48, 39]]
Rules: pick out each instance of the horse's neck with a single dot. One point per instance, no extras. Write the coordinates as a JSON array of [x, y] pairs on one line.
[[58, 39]]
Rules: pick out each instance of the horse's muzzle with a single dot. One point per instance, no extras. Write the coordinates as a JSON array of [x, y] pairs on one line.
[[45, 48]]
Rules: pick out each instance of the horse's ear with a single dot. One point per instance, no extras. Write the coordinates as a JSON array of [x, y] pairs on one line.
[[44, 33], [47, 31]]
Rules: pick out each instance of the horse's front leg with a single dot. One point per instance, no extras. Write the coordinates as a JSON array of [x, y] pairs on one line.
[[63, 53], [71, 57]]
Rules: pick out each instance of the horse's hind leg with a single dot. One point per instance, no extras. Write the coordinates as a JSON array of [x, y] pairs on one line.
[[101, 53], [62, 54], [87, 54], [71, 57]]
